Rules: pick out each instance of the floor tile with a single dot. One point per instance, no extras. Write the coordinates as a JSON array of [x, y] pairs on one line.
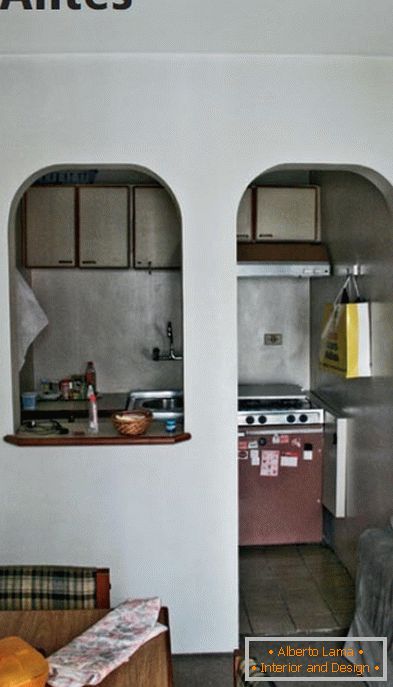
[[208, 670], [340, 603], [310, 620], [343, 618], [271, 625], [252, 576], [244, 623], [302, 605], [301, 591]]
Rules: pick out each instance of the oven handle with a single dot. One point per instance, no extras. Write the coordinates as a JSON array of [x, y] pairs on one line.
[[299, 429]]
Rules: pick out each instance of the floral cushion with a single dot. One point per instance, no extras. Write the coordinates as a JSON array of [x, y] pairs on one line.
[[89, 658]]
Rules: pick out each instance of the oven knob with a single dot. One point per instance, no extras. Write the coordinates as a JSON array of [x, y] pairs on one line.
[[303, 418], [291, 419], [250, 420], [262, 441], [262, 419]]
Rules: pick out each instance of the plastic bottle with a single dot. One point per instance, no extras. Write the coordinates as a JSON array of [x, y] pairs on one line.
[[93, 414], [91, 375], [170, 426]]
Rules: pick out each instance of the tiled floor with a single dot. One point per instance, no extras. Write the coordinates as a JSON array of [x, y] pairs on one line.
[[294, 590]]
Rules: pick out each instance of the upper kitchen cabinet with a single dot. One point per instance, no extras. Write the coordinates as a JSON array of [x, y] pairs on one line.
[[244, 217], [157, 229], [82, 226], [49, 237], [287, 214], [103, 226]]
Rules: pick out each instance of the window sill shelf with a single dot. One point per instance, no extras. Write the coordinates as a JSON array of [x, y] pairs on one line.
[[107, 436]]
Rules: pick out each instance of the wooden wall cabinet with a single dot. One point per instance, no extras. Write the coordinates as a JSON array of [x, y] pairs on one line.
[[103, 226], [157, 229], [50, 227], [279, 213], [68, 226], [89, 226], [244, 217], [287, 214]]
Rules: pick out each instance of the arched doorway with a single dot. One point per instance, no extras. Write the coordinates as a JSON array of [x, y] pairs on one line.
[[298, 586]]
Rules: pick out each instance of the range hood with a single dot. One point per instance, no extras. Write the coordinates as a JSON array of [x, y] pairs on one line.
[[282, 260]]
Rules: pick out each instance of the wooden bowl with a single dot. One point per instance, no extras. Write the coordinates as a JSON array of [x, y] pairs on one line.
[[132, 422]]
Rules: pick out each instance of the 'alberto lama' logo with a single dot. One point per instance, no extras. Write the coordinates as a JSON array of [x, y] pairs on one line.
[[71, 4]]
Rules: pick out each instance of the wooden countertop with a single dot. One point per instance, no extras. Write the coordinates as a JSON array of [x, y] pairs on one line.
[[107, 435]]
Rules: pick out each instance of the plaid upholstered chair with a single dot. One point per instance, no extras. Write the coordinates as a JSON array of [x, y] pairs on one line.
[[45, 587]]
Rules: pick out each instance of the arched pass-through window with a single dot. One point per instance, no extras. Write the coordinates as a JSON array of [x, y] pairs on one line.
[[96, 276]]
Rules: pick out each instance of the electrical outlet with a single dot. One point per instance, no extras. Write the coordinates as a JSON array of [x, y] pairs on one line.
[[272, 339]]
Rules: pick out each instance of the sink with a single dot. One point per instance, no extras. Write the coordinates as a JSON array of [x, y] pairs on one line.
[[174, 403], [164, 404]]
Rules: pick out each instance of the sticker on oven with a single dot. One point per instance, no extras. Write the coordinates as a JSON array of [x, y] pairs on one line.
[[269, 463], [289, 460], [253, 444], [296, 442], [254, 455]]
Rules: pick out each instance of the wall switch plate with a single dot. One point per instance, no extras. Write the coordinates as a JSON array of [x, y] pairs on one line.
[[272, 339]]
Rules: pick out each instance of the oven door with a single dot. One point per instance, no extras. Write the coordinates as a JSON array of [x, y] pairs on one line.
[[280, 485]]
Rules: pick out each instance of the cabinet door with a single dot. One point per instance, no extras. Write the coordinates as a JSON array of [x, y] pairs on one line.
[[287, 214], [50, 227], [157, 229], [103, 227], [244, 217]]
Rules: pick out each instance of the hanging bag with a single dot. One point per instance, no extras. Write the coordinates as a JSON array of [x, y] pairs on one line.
[[345, 340]]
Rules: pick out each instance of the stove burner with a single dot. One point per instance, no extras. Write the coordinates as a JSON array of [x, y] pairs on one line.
[[259, 410]]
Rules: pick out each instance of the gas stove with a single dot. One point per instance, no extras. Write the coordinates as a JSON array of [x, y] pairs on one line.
[[277, 404]]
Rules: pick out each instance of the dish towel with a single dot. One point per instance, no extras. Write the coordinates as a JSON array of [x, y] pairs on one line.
[[30, 318], [89, 658]]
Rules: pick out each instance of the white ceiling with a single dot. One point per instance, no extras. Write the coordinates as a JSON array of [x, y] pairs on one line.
[[349, 27]]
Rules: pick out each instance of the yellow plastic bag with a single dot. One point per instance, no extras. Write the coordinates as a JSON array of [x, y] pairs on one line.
[[21, 665], [345, 340]]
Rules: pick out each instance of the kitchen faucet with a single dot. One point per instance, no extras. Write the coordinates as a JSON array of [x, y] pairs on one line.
[[171, 355]]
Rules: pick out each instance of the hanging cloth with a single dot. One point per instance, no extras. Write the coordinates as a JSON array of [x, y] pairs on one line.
[[30, 318]]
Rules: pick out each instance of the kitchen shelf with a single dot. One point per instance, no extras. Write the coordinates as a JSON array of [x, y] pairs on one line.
[[107, 436]]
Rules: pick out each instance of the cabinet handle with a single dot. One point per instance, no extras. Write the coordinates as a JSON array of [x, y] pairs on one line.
[[89, 262], [65, 262], [261, 236]]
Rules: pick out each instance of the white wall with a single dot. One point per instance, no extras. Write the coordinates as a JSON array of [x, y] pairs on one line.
[[343, 27], [165, 519]]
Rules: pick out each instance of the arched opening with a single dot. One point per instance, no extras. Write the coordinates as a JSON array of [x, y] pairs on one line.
[[96, 275], [308, 485]]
